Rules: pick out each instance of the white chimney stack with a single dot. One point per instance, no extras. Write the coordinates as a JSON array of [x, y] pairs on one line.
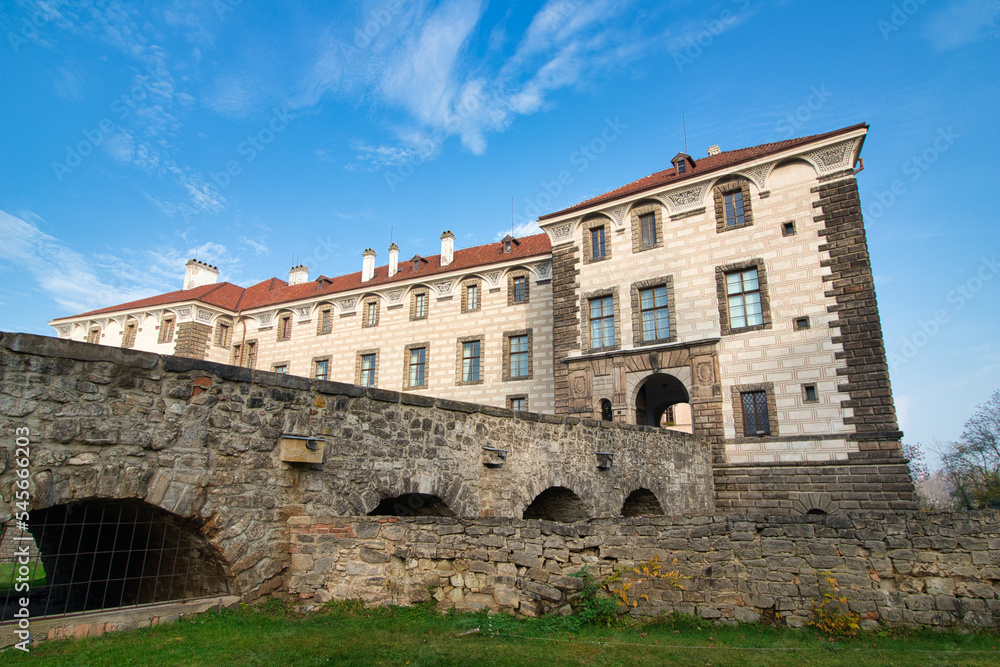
[[393, 260], [198, 273], [367, 265], [714, 150], [447, 248], [298, 275]]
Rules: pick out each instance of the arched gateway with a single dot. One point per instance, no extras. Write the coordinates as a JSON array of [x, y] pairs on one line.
[[662, 400]]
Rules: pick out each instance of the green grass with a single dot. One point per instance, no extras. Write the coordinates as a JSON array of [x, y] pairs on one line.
[[8, 572], [349, 634]]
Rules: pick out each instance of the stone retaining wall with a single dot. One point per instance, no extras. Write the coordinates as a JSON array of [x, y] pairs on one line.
[[910, 568]]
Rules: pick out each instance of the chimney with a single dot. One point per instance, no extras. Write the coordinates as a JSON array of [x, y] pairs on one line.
[[367, 265], [714, 150], [298, 275], [393, 260], [198, 273], [447, 248]]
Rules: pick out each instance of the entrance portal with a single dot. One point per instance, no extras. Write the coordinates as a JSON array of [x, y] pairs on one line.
[[662, 400]]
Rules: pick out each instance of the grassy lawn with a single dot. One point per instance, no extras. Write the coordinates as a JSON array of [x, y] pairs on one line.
[[8, 571], [348, 634]]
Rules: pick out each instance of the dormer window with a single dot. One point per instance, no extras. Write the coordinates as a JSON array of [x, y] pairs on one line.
[[508, 243], [416, 264], [506, 246], [682, 162]]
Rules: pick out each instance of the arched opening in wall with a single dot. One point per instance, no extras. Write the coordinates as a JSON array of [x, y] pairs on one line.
[[816, 512], [607, 414], [641, 502], [412, 504], [107, 554], [662, 400], [557, 503]]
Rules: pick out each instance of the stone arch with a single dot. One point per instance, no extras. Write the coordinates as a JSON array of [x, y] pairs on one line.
[[415, 287], [606, 410], [529, 489], [589, 220], [372, 295], [654, 394], [814, 503], [517, 268], [645, 201], [557, 503], [778, 178], [106, 553], [399, 484], [731, 178], [322, 305], [641, 502], [470, 276]]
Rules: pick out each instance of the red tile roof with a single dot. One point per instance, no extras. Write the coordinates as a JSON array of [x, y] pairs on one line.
[[274, 291], [703, 165]]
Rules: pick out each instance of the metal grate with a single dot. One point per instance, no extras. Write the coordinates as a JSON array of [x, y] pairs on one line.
[[106, 555]]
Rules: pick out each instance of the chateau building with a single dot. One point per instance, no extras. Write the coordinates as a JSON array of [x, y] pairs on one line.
[[730, 295]]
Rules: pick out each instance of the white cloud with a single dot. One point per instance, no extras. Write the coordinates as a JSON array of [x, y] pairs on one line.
[[66, 276], [259, 248], [419, 63], [964, 23], [77, 283], [521, 230]]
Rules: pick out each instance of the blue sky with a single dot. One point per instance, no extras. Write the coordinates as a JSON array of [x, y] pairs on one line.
[[257, 135]]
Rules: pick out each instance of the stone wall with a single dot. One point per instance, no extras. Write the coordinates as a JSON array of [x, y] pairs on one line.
[[200, 440], [910, 568], [800, 487]]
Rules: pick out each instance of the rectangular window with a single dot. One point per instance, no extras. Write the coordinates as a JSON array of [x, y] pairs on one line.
[[325, 321], [472, 297], [94, 336], [602, 322], [755, 417], [371, 313], [420, 306], [518, 357], [223, 334], [128, 338], [597, 248], [520, 285], [647, 223], [166, 330], [809, 394], [418, 367], [518, 403], [743, 293], [323, 369], [281, 368], [368, 370], [732, 203], [655, 314], [470, 361], [251, 354], [285, 327]]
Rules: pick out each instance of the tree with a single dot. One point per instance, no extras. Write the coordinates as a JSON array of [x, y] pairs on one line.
[[972, 463]]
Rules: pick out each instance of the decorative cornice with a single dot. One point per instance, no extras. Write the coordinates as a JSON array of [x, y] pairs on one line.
[[832, 158], [678, 201]]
